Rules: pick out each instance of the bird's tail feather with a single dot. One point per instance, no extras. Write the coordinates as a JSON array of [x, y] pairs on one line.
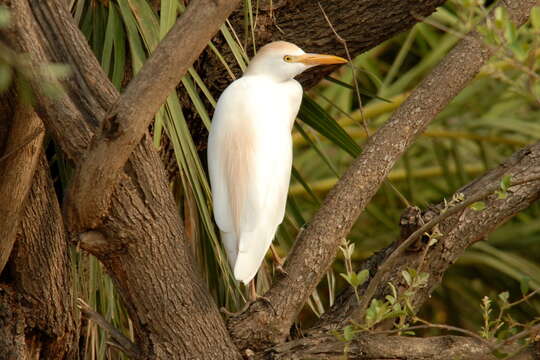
[[250, 257], [230, 243]]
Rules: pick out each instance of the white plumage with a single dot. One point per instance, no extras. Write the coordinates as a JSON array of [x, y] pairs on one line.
[[250, 152]]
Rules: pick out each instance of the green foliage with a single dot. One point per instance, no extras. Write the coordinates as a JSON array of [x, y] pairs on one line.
[[356, 279], [5, 16], [478, 206], [397, 305]]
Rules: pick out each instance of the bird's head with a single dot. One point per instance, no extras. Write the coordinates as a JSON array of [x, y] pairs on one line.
[[283, 61]]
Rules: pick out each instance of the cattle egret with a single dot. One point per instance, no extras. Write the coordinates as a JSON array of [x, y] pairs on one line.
[[250, 152]]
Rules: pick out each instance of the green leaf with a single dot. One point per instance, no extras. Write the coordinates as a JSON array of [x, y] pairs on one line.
[[347, 278], [510, 32], [56, 70], [6, 75], [504, 296], [5, 16], [106, 56], [478, 206], [99, 21], [362, 276], [138, 55], [501, 194], [348, 333], [407, 276], [167, 16], [524, 285], [535, 18], [119, 46], [147, 22], [355, 279], [488, 34], [501, 17], [393, 289], [296, 175], [314, 115], [506, 182], [371, 314], [520, 50], [422, 279]]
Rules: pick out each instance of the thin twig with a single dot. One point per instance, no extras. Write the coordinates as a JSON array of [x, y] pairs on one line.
[[25, 142], [428, 325], [359, 98], [353, 69], [519, 336], [121, 341], [457, 329], [392, 259], [524, 298]]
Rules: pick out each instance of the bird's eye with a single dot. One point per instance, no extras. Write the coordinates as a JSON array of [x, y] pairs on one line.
[[287, 58]]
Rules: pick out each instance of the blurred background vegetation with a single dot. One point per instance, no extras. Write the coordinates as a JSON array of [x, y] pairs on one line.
[[493, 117]]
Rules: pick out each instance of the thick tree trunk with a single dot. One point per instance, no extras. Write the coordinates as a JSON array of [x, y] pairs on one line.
[[36, 307], [141, 242], [19, 159], [40, 272]]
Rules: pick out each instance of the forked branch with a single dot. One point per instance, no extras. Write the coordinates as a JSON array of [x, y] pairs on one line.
[[126, 123]]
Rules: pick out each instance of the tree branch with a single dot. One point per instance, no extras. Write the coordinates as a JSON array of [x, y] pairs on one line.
[[16, 172], [125, 124], [366, 346], [460, 231], [316, 246], [40, 275], [392, 260]]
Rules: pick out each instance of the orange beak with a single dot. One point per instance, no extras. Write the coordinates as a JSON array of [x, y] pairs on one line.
[[319, 59]]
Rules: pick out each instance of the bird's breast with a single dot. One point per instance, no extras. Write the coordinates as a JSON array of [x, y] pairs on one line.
[[275, 103]]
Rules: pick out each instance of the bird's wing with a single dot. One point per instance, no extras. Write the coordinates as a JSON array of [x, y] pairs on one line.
[[230, 151], [249, 160]]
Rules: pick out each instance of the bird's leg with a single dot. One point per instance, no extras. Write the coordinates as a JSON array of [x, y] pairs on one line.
[[252, 291], [253, 297], [278, 260]]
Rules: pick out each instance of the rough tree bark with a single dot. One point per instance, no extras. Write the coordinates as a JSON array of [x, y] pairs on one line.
[[36, 310], [17, 165], [40, 271], [376, 347]]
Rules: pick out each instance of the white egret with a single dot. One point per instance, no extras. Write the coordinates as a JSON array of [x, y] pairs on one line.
[[250, 151]]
